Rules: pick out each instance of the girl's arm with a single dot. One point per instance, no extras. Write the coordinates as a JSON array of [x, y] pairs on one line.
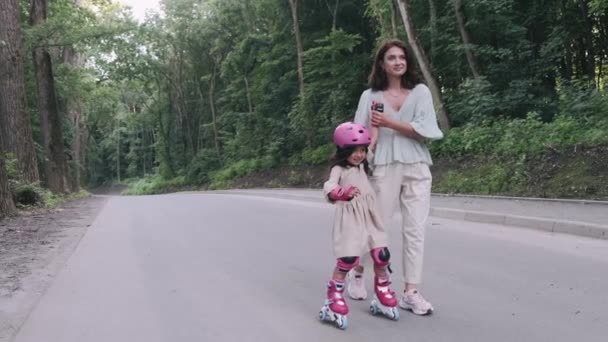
[[332, 189], [332, 183], [373, 132]]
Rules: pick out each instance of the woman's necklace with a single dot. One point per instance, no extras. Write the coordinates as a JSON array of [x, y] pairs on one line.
[[393, 95]]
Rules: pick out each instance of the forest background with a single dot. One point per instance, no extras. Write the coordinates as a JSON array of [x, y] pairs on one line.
[[211, 94]]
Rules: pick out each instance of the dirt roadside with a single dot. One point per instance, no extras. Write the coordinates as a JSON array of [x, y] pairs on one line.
[[33, 247]]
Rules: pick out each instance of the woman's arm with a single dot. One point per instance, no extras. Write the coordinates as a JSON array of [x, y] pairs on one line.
[[362, 116], [424, 122], [405, 128]]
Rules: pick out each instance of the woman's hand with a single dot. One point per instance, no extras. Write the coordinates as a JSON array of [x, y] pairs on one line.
[[380, 120]]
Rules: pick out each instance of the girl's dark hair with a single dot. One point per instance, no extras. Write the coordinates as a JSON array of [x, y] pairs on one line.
[[342, 154], [377, 77]]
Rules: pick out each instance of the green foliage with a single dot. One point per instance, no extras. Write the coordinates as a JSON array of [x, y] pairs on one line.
[[520, 137], [155, 185], [331, 86], [28, 195], [198, 170], [473, 102], [241, 168], [11, 167], [32, 195], [313, 156], [208, 91], [490, 178], [583, 101]]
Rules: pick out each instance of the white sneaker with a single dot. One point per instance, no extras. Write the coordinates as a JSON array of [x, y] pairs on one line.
[[356, 286], [413, 301]]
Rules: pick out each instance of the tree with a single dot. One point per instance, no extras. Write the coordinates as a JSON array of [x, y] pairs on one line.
[[56, 167], [15, 124], [442, 117], [293, 4], [73, 108], [466, 39], [7, 206]]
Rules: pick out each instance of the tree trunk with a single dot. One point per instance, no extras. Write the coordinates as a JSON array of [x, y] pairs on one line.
[[216, 137], [56, 167], [165, 138], [433, 25], [15, 125], [466, 39], [118, 150], [394, 20], [249, 103], [76, 115], [7, 206], [334, 14], [73, 108], [425, 66], [588, 41], [299, 49], [143, 151]]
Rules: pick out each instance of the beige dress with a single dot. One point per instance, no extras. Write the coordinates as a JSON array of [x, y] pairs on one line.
[[358, 227]]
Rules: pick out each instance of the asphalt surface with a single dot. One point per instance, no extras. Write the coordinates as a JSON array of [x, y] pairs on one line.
[[230, 267]]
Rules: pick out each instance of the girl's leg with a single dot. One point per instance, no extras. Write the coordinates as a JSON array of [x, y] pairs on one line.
[[387, 196], [386, 183], [385, 300], [335, 287]]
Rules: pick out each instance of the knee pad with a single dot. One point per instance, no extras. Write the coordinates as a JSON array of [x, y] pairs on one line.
[[381, 256], [346, 264]]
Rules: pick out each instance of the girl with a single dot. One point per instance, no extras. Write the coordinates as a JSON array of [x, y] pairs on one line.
[[357, 225]]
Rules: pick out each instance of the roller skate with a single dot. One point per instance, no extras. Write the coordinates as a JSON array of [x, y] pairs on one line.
[[335, 309], [384, 301]]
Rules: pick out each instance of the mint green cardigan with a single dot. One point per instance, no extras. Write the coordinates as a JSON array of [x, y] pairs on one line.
[[392, 146]]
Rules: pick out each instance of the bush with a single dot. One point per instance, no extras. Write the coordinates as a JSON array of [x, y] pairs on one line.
[[583, 101], [155, 185], [318, 155], [313, 156], [240, 169], [516, 137], [28, 195], [491, 177], [203, 164]]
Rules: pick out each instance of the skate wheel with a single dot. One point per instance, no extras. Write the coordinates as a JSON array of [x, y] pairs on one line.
[[373, 308], [395, 314], [323, 315], [342, 322]]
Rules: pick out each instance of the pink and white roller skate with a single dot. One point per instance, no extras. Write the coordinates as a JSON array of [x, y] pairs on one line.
[[335, 308], [384, 301]]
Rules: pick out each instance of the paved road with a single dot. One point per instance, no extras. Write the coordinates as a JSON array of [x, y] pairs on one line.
[[594, 212], [220, 267]]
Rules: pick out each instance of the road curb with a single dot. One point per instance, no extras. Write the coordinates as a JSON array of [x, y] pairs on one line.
[[543, 224], [524, 199], [549, 225]]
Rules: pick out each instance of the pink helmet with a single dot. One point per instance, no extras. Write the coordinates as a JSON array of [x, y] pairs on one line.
[[351, 134]]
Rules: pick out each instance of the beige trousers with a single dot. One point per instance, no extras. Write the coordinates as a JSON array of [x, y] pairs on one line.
[[410, 186]]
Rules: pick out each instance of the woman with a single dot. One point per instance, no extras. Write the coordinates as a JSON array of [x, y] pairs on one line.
[[401, 160]]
